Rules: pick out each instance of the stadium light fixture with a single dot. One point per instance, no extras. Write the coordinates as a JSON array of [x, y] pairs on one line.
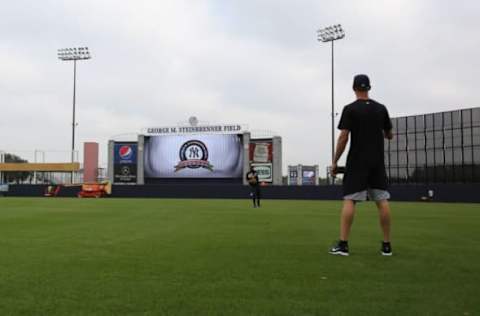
[[69, 54], [331, 34], [79, 53]]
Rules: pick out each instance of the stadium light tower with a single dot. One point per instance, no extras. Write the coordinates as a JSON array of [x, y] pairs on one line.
[[69, 54], [331, 34]]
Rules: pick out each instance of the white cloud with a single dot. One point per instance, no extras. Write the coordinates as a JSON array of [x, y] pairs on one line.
[[255, 62]]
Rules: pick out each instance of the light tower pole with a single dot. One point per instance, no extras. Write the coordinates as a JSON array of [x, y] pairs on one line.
[[69, 54], [331, 34]]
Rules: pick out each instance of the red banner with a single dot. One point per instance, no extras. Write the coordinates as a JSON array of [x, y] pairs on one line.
[[261, 151]]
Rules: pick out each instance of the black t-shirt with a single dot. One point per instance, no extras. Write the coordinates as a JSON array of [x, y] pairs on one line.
[[252, 174], [366, 120]]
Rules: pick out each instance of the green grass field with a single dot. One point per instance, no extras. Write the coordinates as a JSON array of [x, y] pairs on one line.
[[221, 257]]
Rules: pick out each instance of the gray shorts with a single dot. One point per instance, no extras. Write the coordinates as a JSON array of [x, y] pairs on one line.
[[373, 195]]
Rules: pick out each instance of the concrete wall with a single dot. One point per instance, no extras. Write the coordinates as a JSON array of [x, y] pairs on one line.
[[277, 160], [111, 146], [90, 162], [442, 192], [246, 156], [140, 160]]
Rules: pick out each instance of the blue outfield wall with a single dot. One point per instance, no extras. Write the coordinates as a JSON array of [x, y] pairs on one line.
[[442, 192]]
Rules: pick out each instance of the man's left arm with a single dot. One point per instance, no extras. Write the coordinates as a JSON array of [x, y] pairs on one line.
[[387, 126]]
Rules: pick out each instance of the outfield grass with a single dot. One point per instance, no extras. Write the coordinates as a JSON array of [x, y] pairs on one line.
[[221, 257]]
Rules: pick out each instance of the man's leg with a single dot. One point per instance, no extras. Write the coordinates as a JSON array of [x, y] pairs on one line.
[[346, 220], [252, 194], [385, 221], [348, 212]]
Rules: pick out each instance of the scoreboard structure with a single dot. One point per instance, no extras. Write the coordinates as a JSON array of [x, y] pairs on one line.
[[195, 154], [303, 175]]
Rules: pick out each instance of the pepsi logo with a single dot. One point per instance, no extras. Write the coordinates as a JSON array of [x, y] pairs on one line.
[[125, 152]]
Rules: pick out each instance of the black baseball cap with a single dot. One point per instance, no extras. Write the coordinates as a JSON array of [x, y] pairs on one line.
[[361, 83]]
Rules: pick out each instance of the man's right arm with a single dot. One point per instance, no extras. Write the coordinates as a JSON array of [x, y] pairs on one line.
[[345, 126], [341, 144]]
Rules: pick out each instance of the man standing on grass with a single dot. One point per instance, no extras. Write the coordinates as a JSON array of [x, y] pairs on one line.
[[368, 123], [252, 179]]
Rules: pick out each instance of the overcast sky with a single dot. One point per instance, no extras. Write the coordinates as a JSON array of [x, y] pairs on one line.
[[157, 62]]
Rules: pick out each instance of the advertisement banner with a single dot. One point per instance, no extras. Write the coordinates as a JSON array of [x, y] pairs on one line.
[[292, 175], [308, 176], [264, 171], [125, 163], [194, 156]]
